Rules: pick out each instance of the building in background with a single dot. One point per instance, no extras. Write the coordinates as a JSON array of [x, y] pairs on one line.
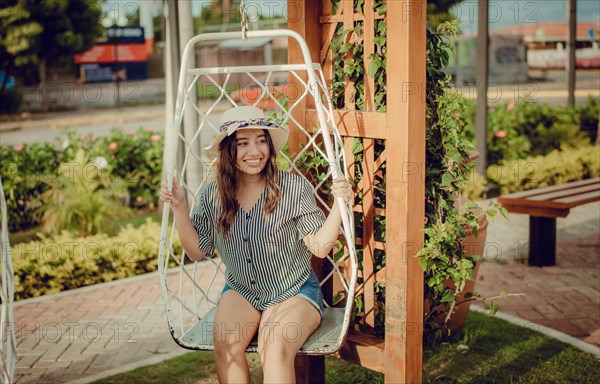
[[507, 59], [123, 55], [516, 50], [547, 44]]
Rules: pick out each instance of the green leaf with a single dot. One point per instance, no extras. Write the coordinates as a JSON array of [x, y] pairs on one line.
[[493, 308], [344, 48], [448, 297], [504, 213], [447, 180], [374, 67], [357, 146]]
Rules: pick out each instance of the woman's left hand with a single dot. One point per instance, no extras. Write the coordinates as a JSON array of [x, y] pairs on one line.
[[341, 188]]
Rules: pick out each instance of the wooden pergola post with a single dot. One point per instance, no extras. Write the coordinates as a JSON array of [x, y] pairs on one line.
[[405, 194], [399, 357], [304, 19]]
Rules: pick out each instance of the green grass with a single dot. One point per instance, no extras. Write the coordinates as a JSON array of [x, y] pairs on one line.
[[489, 350]]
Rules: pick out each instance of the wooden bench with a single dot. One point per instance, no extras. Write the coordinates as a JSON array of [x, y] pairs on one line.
[[543, 206]]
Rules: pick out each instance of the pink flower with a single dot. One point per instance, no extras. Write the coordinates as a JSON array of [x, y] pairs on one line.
[[155, 137], [18, 148], [112, 146], [501, 134], [148, 129], [134, 133], [510, 107]]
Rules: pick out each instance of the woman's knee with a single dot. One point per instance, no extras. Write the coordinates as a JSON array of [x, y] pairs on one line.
[[277, 350], [234, 340], [229, 347]]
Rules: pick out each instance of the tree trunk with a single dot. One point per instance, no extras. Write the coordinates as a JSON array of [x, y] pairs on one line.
[[42, 85]]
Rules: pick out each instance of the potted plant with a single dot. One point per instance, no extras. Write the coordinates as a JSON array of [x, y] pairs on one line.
[[454, 232]]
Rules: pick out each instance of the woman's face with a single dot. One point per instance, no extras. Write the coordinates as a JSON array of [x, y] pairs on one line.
[[252, 150]]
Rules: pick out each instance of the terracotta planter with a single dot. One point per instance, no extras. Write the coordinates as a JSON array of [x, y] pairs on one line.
[[474, 245]]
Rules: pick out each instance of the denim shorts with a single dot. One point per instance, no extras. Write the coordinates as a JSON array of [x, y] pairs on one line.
[[310, 291]]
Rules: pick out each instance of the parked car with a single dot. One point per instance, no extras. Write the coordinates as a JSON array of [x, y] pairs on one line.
[[253, 94], [10, 83]]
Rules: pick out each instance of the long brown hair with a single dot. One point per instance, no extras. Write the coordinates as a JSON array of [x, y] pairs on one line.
[[227, 183]]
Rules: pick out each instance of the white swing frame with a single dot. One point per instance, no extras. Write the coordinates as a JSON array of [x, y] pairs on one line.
[[335, 321], [8, 346]]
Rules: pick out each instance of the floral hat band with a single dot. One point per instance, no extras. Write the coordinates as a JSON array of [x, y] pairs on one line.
[[232, 125], [246, 117]]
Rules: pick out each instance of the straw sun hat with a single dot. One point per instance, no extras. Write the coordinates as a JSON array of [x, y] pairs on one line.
[[247, 117]]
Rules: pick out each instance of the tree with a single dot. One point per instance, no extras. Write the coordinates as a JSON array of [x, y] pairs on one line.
[[70, 26], [46, 31], [438, 11], [220, 12], [18, 34]]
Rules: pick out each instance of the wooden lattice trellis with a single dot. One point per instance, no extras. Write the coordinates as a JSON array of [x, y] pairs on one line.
[[401, 130]]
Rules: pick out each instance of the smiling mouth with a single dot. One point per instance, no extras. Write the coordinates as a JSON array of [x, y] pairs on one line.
[[253, 163]]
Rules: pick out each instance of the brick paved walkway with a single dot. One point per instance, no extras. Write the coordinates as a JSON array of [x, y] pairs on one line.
[[76, 334], [565, 297], [79, 333]]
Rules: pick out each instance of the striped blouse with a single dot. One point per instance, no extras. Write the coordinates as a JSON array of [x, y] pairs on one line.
[[266, 260]]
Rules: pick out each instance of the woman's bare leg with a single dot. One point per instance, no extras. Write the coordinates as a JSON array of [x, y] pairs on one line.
[[283, 330], [236, 323]]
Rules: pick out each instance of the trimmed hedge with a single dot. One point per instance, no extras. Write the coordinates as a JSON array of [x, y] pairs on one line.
[[66, 262], [557, 167]]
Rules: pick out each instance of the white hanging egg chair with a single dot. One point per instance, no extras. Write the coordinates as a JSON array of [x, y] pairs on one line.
[[191, 290], [8, 346]]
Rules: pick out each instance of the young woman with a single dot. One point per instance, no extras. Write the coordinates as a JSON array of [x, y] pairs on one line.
[[265, 225]]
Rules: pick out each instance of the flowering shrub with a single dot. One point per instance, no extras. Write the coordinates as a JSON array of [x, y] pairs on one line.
[[137, 155], [25, 169], [518, 130], [83, 197]]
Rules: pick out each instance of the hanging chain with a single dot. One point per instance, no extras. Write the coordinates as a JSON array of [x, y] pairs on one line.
[[244, 21]]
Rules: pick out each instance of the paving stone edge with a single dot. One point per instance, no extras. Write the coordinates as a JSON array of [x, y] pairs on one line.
[[129, 367], [563, 337]]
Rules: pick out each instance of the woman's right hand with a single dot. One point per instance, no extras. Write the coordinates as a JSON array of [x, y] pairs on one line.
[[176, 197], [185, 227]]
